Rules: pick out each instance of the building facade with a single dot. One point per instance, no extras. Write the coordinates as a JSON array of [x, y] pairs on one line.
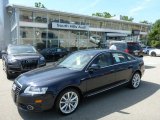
[[4, 25], [45, 28]]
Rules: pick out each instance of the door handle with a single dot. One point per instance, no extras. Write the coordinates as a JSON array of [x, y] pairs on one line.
[[121, 68], [112, 70], [130, 66]]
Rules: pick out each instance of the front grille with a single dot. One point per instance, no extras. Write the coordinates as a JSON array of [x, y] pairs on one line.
[[29, 64], [18, 89]]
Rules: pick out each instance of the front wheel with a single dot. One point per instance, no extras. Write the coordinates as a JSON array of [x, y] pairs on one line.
[[67, 102], [135, 80], [9, 76], [153, 54]]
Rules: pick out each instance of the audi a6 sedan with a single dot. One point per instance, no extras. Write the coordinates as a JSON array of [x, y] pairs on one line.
[[81, 74], [21, 58]]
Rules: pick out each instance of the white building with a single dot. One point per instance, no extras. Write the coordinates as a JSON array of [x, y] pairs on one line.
[[49, 28]]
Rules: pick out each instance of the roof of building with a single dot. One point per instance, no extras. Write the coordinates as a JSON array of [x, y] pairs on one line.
[[73, 14]]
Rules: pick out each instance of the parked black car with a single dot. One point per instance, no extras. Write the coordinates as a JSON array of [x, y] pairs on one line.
[[53, 54], [21, 58], [83, 73], [135, 49]]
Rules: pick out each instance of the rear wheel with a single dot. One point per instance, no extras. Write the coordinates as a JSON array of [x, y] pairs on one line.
[[9, 76], [135, 80], [68, 101], [153, 54]]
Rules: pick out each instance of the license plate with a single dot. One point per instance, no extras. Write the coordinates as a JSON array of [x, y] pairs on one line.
[[136, 53], [13, 87]]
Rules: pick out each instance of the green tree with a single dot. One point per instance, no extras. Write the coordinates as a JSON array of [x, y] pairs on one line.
[[145, 22], [104, 14], [154, 35], [126, 18], [107, 15], [97, 14], [39, 5]]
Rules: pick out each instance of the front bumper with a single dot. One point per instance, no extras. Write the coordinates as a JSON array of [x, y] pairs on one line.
[[19, 69], [27, 102]]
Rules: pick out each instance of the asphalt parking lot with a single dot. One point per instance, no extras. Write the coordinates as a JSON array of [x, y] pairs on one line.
[[122, 104]]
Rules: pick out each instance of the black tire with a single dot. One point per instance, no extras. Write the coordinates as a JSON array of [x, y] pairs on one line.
[[153, 54], [3, 65], [9, 76], [69, 103], [135, 80]]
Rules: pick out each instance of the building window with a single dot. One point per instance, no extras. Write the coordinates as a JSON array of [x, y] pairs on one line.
[[75, 20], [40, 17], [93, 23], [53, 40], [54, 18], [26, 35], [64, 19], [26, 16]]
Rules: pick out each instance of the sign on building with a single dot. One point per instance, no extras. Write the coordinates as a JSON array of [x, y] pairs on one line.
[[69, 26]]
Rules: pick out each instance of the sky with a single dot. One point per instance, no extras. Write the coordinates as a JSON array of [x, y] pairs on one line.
[[138, 9]]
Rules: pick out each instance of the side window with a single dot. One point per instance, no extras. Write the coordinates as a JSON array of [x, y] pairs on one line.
[[130, 58], [119, 57], [103, 60]]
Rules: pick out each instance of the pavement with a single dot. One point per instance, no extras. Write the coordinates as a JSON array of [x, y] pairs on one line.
[[121, 103]]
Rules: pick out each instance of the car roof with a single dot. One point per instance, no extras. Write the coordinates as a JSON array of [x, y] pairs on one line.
[[117, 42], [11, 45], [132, 43], [95, 51]]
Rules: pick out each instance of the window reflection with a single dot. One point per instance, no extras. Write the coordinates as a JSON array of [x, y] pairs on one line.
[[26, 16], [40, 17], [53, 18], [64, 19]]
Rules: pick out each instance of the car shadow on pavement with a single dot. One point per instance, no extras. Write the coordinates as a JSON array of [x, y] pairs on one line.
[[149, 67], [100, 105]]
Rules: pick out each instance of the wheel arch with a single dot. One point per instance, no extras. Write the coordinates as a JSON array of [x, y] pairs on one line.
[[137, 71], [70, 87]]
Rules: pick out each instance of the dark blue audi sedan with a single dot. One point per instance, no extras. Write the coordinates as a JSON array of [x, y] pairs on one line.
[[81, 74]]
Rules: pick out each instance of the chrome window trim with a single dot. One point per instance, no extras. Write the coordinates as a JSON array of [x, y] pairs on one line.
[[86, 70]]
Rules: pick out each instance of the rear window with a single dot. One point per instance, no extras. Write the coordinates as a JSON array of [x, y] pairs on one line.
[[134, 47], [120, 46]]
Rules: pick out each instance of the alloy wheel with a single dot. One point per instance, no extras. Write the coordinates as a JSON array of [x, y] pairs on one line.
[[68, 102], [136, 80]]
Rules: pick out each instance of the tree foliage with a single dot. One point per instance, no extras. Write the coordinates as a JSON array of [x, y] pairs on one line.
[[39, 5], [154, 35], [126, 18], [104, 14], [145, 22]]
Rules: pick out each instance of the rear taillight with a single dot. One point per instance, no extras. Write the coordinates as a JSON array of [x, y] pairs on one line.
[[126, 50]]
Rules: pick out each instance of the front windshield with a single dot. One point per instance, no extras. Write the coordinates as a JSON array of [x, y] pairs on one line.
[[21, 49], [76, 60], [120, 46]]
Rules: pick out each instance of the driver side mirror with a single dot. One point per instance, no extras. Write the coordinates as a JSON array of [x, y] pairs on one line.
[[94, 67]]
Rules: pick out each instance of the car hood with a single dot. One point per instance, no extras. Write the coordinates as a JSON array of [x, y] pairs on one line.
[[24, 56], [45, 75]]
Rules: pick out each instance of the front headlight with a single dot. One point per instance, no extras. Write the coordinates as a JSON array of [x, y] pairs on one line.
[[42, 58], [35, 90], [12, 60]]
